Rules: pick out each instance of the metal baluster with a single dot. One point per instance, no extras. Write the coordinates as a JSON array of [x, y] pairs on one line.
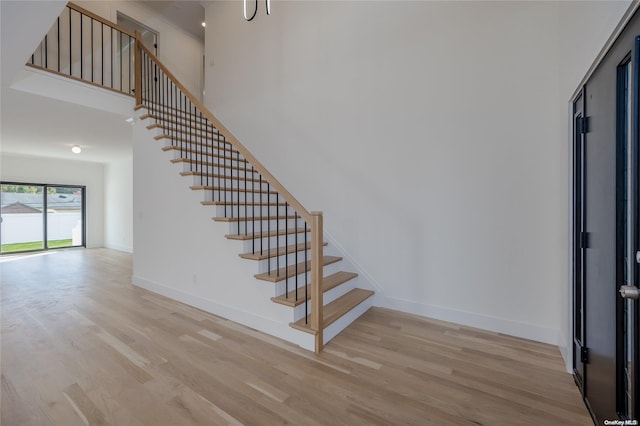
[[92, 63], [269, 228], [246, 202], [295, 248], [261, 216], [58, 44], [81, 54], [70, 51], [286, 248], [306, 273]]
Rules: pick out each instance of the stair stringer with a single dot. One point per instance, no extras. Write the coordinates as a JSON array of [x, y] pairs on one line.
[[181, 253]]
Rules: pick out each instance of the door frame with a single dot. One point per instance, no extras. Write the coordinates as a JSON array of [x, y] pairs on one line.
[[566, 346]]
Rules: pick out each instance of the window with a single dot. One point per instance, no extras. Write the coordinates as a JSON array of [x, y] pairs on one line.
[[41, 217]]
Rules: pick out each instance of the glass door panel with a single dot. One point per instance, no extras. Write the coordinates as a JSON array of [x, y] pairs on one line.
[[65, 224], [22, 212]]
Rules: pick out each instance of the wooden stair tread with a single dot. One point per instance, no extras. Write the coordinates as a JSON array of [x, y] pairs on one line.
[[336, 309], [283, 273], [215, 188], [216, 175], [267, 254], [209, 163], [239, 169], [244, 203], [178, 123], [255, 218], [328, 283], [183, 150], [209, 145], [253, 236], [191, 130], [196, 140]]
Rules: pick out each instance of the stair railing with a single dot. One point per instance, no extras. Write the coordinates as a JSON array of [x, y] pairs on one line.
[[231, 172], [86, 47]]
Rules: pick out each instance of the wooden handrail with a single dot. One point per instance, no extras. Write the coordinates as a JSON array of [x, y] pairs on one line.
[[315, 219], [295, 204], [100, 19]]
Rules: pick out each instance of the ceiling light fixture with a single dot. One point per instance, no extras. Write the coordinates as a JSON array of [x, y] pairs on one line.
[[255, 10], [204, 24], [76, 149], [130, 120]]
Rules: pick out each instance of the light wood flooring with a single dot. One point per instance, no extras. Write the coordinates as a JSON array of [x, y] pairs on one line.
[[81, 345]]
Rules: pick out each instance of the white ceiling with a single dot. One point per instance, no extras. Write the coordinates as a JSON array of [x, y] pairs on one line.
[[37, 125], [43, 126]]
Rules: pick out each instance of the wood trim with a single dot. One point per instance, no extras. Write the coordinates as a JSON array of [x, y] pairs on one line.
[[138, 64], [100, 18], [317, 274], [72, 77], [293, 202]]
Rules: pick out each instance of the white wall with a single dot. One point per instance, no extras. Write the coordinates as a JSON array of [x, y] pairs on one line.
[[66, 172], [118, 192], [178, 50], [438, 142]]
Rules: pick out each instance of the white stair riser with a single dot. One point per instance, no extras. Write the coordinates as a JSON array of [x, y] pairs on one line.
[[274, 241], [344, 321], [256, 226], [250, 211], [225, 182], [328, 297], [219, 168]]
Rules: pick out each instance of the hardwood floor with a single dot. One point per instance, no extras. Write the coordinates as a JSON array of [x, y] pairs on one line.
[[81, 345]]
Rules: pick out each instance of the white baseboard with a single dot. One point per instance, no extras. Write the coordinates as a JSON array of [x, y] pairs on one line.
[[126, 249], [498, 325], [266, 325]]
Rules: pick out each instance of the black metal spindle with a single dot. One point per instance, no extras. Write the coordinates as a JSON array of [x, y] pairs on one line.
[[253, 211], [286, 247], [92, 61], [46, 52], [260, 208], [121, 70], [102, 53], [130, 70], [81, 53], [246, 201], [58, 45], [70, 51], [306, 273], [278, 233], [295, 248], [269, 226], [237, 185], [111, 52]]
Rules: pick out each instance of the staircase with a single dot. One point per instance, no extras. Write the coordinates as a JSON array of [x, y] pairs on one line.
[[271, 228]]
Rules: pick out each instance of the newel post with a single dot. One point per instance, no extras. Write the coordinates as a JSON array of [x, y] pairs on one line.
[[138, 69], [316, 279]]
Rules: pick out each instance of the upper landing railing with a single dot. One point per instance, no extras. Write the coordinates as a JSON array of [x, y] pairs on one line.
[[86, 47]]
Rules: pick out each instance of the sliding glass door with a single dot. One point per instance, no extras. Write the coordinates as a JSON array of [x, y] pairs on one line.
[[41, 216]]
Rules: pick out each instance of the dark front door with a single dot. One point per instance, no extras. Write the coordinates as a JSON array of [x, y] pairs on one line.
[[606, 232]]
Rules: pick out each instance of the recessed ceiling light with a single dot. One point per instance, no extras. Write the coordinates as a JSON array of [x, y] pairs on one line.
[[204, 24], [76, 149]]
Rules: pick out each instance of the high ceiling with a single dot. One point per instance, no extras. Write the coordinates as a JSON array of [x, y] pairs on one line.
[[43, 126]]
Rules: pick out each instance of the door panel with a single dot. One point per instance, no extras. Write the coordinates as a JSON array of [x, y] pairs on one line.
[[605, 207]]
